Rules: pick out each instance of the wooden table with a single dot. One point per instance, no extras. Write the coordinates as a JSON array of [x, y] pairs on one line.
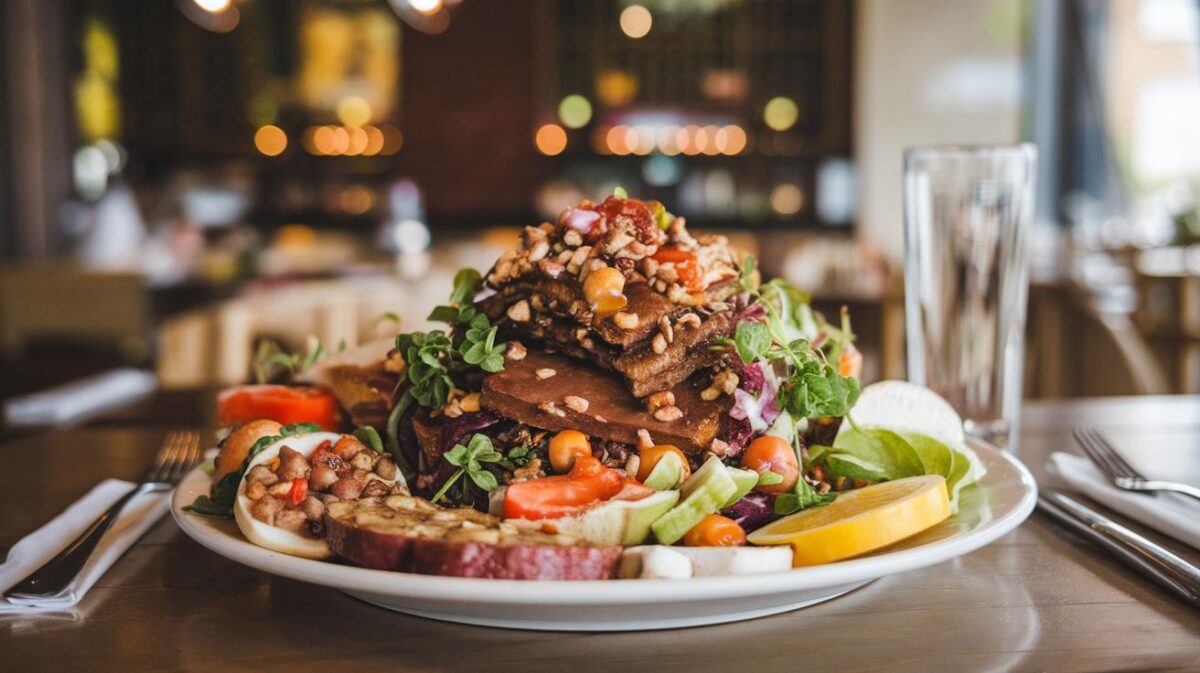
[[1035, 600]]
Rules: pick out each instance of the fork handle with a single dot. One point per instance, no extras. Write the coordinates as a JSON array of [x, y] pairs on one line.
[[1171, 486], [57, 573]]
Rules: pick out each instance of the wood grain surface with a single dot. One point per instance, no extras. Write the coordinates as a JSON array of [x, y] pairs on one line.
[[1037, 599]]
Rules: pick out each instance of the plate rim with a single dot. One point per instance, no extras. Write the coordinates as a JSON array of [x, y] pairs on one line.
[[470, 590]]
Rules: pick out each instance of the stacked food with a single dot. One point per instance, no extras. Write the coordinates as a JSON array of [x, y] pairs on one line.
[[612, 381]]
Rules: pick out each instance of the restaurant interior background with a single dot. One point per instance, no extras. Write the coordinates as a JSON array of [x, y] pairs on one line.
[[182, 180]]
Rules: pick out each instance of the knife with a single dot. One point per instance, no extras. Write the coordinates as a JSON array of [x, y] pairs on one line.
[[1162, 566]]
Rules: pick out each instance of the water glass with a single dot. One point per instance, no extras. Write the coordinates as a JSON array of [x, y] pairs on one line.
[[967, 214]]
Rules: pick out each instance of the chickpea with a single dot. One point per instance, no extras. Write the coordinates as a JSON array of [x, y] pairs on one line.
[[604, 288], [565, 447]]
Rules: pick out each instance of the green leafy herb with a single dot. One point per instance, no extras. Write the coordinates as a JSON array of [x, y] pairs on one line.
[[518, 456], [428, 356], [294, 429], [370, 437], [204, 506], [801, 497], [272, 363], [469, 459], [752, 341], [620, 193], [812, 388]]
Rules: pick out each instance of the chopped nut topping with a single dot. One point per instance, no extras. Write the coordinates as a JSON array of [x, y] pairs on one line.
[[659, 344], [668, 414], [721, 448], [643, 439], [545, 373], [599, 418], [688, 320], [632, 463], [710, 393], [552, 409], [626, 320], [664, 326], [573, 238], [519, 312], [726, 381], [664, 398], [516, 351], [576, 403], [539, 251]]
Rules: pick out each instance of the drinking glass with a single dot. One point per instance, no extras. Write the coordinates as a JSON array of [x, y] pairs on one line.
[[967, 214]]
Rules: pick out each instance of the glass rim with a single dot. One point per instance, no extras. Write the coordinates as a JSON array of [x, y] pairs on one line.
[[969, 151]]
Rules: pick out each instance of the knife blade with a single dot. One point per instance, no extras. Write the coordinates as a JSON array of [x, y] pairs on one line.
[[1150, 559]]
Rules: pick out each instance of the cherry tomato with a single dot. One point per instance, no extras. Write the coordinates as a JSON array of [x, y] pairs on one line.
[[282, 404], [565, 447], [850, 362], [774, 454], [715, 530], [686, 267], [588, 483], [639, 212], [648, 458]]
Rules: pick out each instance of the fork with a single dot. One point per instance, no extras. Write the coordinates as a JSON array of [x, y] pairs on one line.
[[1121, 473], [180, 452]]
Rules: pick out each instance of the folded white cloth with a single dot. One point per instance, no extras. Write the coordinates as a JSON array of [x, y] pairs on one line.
[[77, 399], [1168, 513], [41, 545]]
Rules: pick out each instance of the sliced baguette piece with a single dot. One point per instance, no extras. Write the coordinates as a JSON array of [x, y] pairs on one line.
[[411, 534]]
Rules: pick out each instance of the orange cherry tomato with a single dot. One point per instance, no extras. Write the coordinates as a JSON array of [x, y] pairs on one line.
[[565, 447], [715, 530], [588, 483], [648, 458], [774, 454], [282, 404], [850, 362]]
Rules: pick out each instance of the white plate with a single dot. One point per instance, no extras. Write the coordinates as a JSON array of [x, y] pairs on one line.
[[993, 507]]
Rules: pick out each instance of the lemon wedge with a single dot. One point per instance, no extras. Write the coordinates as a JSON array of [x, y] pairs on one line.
[[860, 521]]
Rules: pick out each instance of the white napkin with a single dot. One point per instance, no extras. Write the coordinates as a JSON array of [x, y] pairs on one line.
[[77, 399], [1167, 513], [41, 545]]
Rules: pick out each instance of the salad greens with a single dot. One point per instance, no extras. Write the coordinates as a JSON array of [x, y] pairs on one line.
[[271, 362], [812, 387], [224, 492], [470, 459], [877, 454], [431, 357]]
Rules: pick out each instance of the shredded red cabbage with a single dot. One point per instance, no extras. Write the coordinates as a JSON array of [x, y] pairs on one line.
[[753, 511], [455, 430]]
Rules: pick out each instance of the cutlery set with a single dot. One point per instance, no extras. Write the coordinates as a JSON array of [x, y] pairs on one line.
[[1157, 563]]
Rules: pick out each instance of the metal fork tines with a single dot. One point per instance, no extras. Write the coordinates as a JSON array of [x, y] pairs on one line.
[[1119, 471], [179, 453]]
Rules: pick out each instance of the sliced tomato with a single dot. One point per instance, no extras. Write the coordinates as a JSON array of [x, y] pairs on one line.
[[588, 483], [282, 404]]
